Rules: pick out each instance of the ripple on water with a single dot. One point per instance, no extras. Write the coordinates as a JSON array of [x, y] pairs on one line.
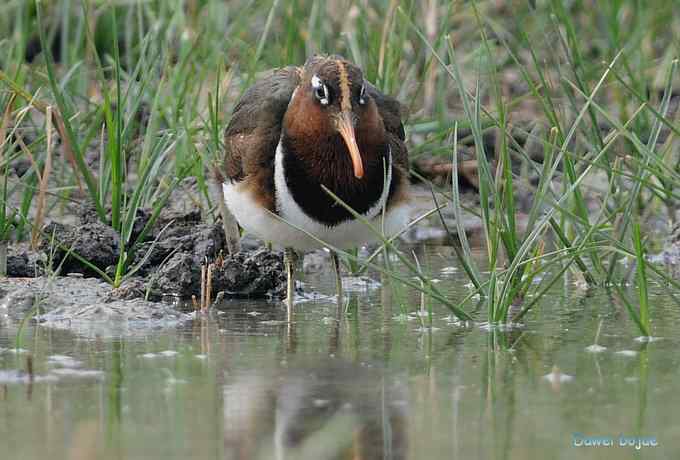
[[160, 354], [501, 327], [558, 377], [63, 361], [359, 284], [647, 339], [14, 351], [627, 353], [13, 376], [70, 373], [449, 270], [403, 317], [595, 348]]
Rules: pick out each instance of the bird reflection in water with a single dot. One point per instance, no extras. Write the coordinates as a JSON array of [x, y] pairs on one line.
[[333, 411]]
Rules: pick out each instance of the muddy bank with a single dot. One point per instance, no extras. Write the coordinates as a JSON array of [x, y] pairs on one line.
[[82, 304], [166, 263], [62, 283]]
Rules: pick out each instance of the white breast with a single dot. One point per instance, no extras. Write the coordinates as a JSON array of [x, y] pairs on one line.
[[259, 221]]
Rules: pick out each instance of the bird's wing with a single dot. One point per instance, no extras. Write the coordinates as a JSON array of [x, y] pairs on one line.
[[255, 126], [390, 111]]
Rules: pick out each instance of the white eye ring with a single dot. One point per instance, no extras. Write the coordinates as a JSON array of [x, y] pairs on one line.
[[362, 94], [320, 90]]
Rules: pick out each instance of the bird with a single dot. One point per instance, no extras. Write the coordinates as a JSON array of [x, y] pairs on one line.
[[293, 411], [300, 131]]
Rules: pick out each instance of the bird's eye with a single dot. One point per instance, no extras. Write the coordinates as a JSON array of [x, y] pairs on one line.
[[362, 95], [321, 94], [320, 90]]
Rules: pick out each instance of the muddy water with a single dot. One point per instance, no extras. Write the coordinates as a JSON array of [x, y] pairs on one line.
[[376, 383]]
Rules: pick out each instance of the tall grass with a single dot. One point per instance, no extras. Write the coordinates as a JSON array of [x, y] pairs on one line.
[[562, 218], [578, 98]]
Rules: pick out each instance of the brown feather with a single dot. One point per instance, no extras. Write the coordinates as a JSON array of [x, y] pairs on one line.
[[254, 131]]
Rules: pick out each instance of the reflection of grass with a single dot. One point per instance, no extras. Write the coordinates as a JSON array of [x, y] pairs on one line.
[[641, 280], [578, 97], [40, 296], [641, 316], [114, 399]]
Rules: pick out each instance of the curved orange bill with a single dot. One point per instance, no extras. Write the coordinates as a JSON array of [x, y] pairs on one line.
[[346, 129]]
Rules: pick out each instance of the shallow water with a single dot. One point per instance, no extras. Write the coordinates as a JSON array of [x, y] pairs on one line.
[[376, 383]]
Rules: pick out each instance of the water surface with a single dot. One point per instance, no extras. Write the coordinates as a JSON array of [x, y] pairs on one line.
[[379, 382]]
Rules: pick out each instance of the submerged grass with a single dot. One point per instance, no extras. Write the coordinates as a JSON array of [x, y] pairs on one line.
[[568, 110]]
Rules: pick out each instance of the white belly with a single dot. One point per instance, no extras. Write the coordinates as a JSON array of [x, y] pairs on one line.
[[282, 230]]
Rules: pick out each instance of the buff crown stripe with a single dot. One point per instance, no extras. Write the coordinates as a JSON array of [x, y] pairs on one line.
[[345, 101]]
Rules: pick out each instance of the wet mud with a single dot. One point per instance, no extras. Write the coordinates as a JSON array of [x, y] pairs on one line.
[[166, 267]]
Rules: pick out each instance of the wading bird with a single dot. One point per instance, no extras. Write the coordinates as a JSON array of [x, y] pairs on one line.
[[299, 130]]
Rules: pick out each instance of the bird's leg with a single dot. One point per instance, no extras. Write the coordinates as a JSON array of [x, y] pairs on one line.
[[290, 260], [232, 233], [338, 276]]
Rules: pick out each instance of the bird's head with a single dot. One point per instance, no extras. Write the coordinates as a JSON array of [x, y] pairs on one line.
[[332, 100]]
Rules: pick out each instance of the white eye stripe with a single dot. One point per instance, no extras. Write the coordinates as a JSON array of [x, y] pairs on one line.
[[320, 90], [362, 95]]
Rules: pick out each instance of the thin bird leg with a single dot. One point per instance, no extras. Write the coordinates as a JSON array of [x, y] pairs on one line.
[[289, 260], [229, 224], [338, 276]]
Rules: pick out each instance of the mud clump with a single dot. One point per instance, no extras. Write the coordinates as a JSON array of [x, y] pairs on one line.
[[17, 266], [94, 242], [200, 242], [245, 274], [179, 277], [166, 258], [251, 274], [22, 262], [131, 288]]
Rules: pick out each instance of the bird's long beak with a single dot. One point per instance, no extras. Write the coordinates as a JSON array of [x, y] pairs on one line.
[[345, 127]]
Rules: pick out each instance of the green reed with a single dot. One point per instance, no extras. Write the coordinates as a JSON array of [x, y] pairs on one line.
[[581, 238]]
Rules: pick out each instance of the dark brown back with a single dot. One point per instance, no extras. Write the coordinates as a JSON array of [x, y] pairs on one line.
[[255, 126]]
